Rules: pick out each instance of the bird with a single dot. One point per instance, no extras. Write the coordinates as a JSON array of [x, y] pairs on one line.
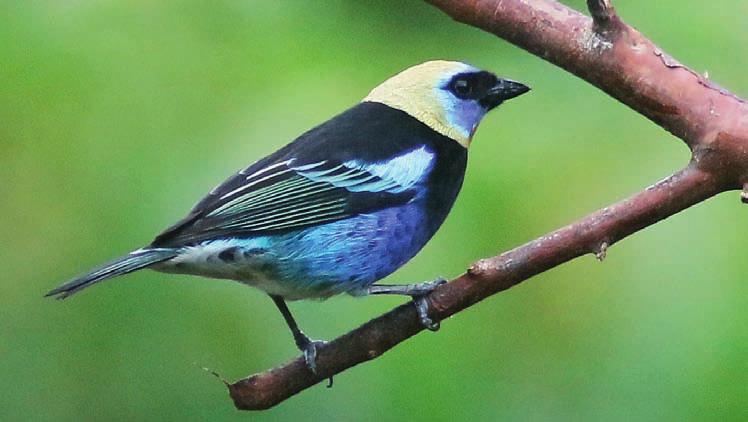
[[342, 206]]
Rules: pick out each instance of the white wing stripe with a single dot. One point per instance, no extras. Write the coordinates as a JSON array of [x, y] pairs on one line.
[[309, 166], [319, 173], [291, 212], [330, 209], [261, 193], [286, 202], [311, 189], [250, 184], [268, 191], [314, 218], [266, 169]]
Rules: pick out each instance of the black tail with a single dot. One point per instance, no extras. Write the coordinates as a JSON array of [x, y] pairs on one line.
[[120, 266]]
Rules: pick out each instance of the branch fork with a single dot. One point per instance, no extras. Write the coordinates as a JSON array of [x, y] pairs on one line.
[[711, 121]]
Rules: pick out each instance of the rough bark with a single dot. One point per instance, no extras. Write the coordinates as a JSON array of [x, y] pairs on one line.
[[616, 58]]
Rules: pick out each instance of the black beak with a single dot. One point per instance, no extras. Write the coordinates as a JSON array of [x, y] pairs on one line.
[[504, 89]]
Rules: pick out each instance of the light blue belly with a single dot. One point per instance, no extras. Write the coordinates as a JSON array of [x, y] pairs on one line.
[[316, 262]]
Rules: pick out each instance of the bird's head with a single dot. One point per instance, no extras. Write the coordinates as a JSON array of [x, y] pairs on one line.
[[449, 97]]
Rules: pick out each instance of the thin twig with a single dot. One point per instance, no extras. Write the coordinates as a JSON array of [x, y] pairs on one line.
[[601, 10]]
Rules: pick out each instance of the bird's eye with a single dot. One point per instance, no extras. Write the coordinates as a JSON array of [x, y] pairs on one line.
[[462, 87]]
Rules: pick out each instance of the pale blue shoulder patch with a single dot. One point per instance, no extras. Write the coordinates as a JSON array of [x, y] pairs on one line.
[[395, 175]]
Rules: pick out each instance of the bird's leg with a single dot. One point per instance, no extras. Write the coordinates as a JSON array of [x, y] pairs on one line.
[[307, 346], [417, 291]]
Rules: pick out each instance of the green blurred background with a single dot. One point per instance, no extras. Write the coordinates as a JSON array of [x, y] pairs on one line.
[[116, 116]]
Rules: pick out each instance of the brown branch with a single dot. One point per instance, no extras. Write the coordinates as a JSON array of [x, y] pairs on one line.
[[620, 61], [484, 278]]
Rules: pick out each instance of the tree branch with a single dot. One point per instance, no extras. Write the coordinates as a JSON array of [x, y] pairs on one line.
[[483, 279], [619, 60], [614, 57]]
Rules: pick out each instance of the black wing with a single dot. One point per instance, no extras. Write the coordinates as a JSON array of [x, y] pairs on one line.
[[355, 163], [285, 195]]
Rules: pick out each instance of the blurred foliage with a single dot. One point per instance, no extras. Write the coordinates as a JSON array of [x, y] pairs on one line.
[[116, 116]]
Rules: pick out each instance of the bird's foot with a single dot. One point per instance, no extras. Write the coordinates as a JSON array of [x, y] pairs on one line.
[[422, 289], [310, 354], [309, 349], [418, 292]]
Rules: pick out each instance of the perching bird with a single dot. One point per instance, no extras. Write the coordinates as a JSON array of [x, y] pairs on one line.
[[342, 206]]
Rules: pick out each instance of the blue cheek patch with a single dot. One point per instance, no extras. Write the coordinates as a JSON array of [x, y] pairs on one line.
[[463, 115]]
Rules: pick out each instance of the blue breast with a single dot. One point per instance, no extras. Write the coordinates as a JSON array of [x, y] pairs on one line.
[[346, 255]]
